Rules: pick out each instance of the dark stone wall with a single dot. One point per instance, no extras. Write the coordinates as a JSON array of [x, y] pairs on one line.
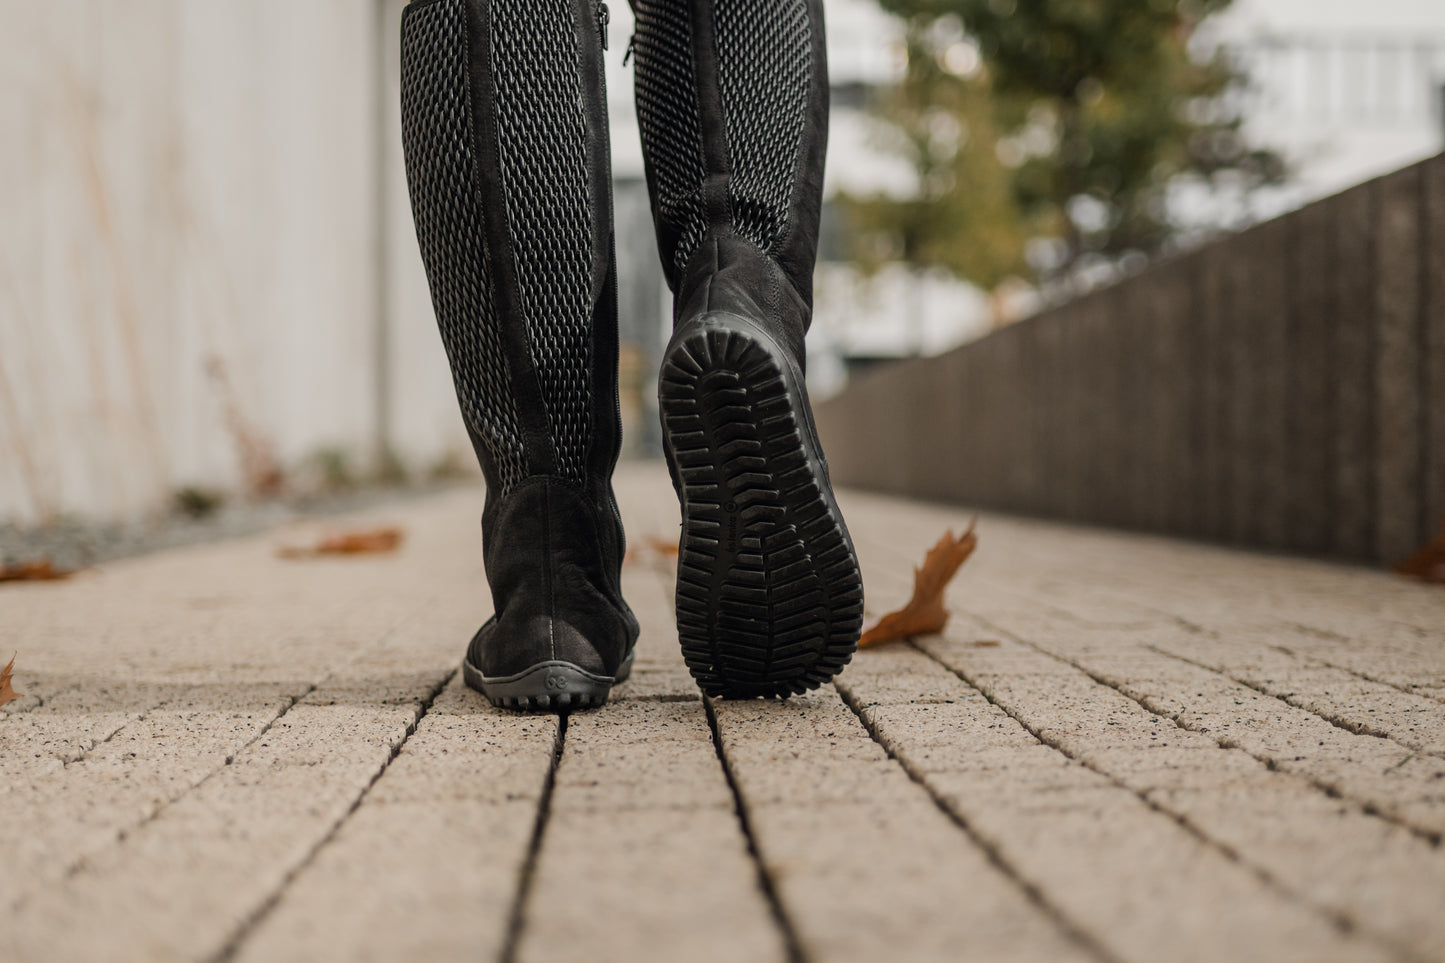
[[1282, 388]]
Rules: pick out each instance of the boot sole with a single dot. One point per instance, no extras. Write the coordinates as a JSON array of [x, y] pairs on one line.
[[552, 686], [769, 594]]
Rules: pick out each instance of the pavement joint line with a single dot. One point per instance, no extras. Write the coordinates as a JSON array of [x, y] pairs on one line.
[[14, 709], [293, 702], [66, 760], [1324, 634], [995, 857], [517, 916], [1354, 728], [248, 925], [1410, 758], [1271, 763], [121, 834], [662, 697], [1417, 628], [1355, 642], [792, 943], [1077, 619], [1341, 921], [1408, 690], [1319, 633]]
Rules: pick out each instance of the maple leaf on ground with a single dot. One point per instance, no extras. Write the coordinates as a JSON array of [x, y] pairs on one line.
[[7, 691], [376, 541], [925, 612], [42, 570], [1429, 562]]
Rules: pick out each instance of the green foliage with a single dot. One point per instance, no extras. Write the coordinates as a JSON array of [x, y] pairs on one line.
[[450, 466], [391, 470], [333, 469], [194, 501], [1056, 122], [962, 216]]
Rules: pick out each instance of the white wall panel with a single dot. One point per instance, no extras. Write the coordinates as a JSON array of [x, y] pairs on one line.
[[187, 180]]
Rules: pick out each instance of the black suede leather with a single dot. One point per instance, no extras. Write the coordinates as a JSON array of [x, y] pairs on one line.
[[729, 275], [552, 560]]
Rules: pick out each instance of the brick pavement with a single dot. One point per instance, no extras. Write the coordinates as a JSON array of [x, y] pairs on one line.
[[1123, 748]]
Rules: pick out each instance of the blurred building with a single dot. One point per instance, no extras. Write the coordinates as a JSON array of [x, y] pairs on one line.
[[206, 247], [1344, 90], [203, 252]]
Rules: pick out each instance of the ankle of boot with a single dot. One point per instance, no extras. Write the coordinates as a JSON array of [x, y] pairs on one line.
[[730, 274], [553, 565]]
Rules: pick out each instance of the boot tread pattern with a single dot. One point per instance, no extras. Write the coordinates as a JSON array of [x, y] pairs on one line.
[[769, 596]]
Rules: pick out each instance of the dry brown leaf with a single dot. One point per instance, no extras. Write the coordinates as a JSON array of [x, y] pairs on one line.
[[925, 613], [7, 691], [375, 541], [1429, 562], [651, 547], [42, 570]]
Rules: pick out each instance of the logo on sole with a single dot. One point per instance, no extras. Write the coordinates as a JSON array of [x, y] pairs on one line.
[[556, 681]]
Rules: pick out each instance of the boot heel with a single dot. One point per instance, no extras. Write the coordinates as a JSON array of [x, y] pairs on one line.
[[769, 594], [556, 685]]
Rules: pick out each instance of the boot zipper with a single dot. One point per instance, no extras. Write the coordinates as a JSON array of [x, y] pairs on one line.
[[604, 17]]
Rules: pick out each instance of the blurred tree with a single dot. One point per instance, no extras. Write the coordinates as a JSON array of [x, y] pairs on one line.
[[1044, 134]]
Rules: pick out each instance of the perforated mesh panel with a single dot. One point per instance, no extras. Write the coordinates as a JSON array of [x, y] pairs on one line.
[[668, 118], [441, 168], [764, 69], [765, 65], [542, 141]]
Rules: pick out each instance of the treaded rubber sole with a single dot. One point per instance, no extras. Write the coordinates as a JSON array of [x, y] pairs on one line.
[[552, 686], [769, 594]]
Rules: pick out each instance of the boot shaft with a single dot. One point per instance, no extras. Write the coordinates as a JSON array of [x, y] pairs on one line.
[[732, 101], [505, 132]]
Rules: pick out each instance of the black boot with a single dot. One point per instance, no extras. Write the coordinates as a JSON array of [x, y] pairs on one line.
[[732, 98], [505, 130]]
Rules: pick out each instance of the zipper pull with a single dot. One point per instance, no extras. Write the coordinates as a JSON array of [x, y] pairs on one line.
[[631, 49], [604, 17]]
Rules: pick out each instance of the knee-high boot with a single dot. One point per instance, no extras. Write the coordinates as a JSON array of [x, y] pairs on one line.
[[505, 134], [732, 99]]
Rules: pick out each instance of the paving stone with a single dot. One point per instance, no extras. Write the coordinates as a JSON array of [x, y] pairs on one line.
[[865, 864], [428, 865], [644, 856], [183, 883], [1238, 802], [1063, 826], [1384, 774], [333, 833], [58, 816]]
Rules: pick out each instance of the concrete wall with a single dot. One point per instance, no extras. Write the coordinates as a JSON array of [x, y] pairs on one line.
[[187, 180], [1283, 388]]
